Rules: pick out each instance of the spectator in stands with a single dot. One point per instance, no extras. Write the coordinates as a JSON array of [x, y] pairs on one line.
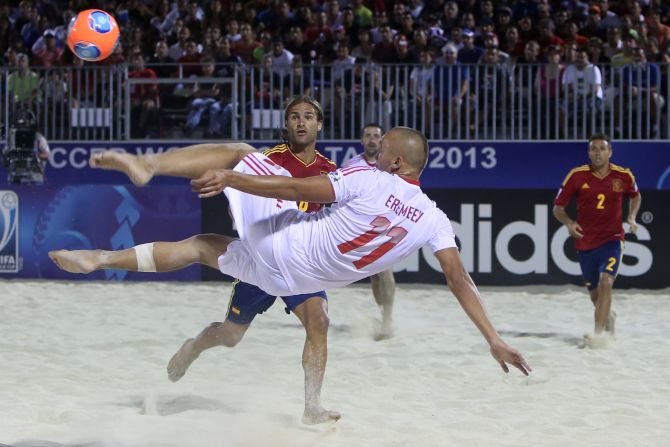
[[281, 58], [657, 29], [596, 54], [320, 33], [244, 48], [526, 29], [161, 62], [384, 51], [164, 19], [415, 8], [571, 33], [513, 45], [470, 53], [607, 17], [345, 61], [419, 43], [452, 82], [450, 16], [490, 40], [421, 80], [613, 44], [178, 49], [266, 84], [626, 55], [503, 20], [547, 37], [362, 13], [32, 29], [365, 46], [50, 55], [297, 45], [232, 30], [593, 25], [299, 81], [265, 38], [349, 24], [455, 38], [407, 25], [23, 84], [547, 86], [381, 19], [205, 98], [398, 10], [402, 53], [582, 89], [225, 59], [469, 22], [494, 89], [144, 97], [190, 61], [215, 17], [333, 14], [642, 81]]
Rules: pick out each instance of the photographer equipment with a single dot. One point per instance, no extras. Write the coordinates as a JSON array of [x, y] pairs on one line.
[[20, 157]]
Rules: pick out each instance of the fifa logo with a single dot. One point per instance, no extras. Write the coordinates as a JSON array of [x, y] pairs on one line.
[[9, 232]]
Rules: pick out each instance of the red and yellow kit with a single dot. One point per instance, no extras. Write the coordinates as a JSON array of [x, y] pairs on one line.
[[599, 202], [282, 155]]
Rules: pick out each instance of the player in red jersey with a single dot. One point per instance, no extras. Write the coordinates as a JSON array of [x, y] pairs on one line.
[[599, 187], [303, 120]]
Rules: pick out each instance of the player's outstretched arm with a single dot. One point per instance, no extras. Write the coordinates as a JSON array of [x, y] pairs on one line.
[[316, 189], [190, 161], [466, 292]]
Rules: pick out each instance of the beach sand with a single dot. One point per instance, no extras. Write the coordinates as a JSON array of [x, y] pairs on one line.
[[83, 364]]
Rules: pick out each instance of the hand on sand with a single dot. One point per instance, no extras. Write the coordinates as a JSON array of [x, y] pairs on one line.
[[505, 354], [136, 168], [211, 183], [76, 261]]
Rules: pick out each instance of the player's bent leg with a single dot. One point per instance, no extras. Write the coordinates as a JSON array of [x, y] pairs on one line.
[[313, 314], [383, 289], [190, 162], [154, 257], [226, 334], [604, 303]]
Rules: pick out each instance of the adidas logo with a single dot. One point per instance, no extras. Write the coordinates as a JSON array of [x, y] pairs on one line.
[[585, 186]]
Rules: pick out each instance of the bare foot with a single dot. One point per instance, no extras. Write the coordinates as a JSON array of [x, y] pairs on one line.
[[597, 341], [182, 359], [76, 261], [385, 331], [319, 416], [138, 170]]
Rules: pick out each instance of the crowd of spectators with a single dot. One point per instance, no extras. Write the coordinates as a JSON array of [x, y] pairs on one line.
[[207, 37]]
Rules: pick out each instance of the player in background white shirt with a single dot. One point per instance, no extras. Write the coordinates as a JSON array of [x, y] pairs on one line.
[[383, 283], [353, 237]]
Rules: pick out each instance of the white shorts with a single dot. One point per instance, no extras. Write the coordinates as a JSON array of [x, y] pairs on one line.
[[251, 259]]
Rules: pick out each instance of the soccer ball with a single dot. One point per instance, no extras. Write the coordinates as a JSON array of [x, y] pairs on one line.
[[92, 35]]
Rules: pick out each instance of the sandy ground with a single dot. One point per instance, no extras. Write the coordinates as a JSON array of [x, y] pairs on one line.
[[84, 365]]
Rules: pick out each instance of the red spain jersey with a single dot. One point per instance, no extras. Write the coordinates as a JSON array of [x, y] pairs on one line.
[[282, 155], [599, 203]]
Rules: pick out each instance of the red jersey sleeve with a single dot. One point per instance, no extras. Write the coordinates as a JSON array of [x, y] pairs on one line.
[[568, 188], [631, 186]]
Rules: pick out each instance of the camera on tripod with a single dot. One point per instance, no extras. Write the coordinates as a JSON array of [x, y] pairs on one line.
[[21, 156]]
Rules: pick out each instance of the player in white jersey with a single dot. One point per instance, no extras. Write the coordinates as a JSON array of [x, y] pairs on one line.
[[383, 283], [380, 217]]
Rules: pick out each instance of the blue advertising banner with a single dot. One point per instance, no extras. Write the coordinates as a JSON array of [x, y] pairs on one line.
[[452, 164], [35, 220]]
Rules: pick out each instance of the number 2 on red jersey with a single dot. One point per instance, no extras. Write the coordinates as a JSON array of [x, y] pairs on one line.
[[380, 226]]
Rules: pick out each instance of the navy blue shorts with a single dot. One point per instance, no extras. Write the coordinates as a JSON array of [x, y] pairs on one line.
[[247, 301], [603, 259]]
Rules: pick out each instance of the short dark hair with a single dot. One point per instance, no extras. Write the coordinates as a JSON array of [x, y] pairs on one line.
[[600, 136]]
